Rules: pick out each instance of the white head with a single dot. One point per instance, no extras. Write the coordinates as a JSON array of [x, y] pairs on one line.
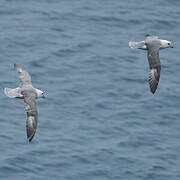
[[40, 93], [165, 44]]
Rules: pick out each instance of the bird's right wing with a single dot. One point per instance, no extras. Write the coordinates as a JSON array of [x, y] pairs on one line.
[[138, 45], [154, 76], [32, 115], [24, 77], [155, 68]]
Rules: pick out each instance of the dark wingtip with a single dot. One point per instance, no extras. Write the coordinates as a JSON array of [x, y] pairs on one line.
[[30, 137], [153, 91], [16, 66]]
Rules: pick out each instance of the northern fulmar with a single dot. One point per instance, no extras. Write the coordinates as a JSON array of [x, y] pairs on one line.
[[152, 44], [27, 92]]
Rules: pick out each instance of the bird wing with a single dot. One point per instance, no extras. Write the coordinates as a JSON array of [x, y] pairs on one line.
[[155, 67], [24, 77], [32, 114]]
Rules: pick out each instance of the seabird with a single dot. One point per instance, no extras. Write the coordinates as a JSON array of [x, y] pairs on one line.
[[27, 92], [152, 44]]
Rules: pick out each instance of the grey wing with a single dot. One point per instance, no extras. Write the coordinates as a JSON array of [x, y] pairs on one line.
[[155, 68], [24, 77], [32, 115], [138, 45]]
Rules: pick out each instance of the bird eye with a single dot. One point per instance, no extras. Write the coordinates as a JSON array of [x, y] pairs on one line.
[[168, 43]]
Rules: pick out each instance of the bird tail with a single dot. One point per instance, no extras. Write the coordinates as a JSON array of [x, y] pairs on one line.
[[137, 45], [12, 93]]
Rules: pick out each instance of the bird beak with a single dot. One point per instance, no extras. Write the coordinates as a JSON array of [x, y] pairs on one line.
[[172, 46], [43, 96]]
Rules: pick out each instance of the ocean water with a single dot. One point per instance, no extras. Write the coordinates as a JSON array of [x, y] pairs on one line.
[[99, 120]]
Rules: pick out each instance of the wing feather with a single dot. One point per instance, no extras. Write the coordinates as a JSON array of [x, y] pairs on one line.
[[154, 76], [154, 65], [32, 114], [24, 77]]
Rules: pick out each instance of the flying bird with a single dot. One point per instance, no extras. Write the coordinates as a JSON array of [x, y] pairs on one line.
[[27, 92], [152, 44]]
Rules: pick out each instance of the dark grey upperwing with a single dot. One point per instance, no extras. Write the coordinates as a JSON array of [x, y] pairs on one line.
[[32, 115], [24, 77], [155, 67]]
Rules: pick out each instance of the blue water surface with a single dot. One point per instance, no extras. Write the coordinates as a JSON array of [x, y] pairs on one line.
[[99, 120]]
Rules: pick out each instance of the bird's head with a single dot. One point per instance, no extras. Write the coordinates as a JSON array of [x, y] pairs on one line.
[[40, 94], [166, 44]]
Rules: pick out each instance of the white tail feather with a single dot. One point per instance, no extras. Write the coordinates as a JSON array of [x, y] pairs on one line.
[[137, 45], [12, 93]]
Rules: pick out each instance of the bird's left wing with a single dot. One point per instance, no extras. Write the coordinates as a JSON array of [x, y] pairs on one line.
[[24, 77]]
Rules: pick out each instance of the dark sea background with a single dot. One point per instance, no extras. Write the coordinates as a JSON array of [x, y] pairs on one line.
[[99, 120]]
